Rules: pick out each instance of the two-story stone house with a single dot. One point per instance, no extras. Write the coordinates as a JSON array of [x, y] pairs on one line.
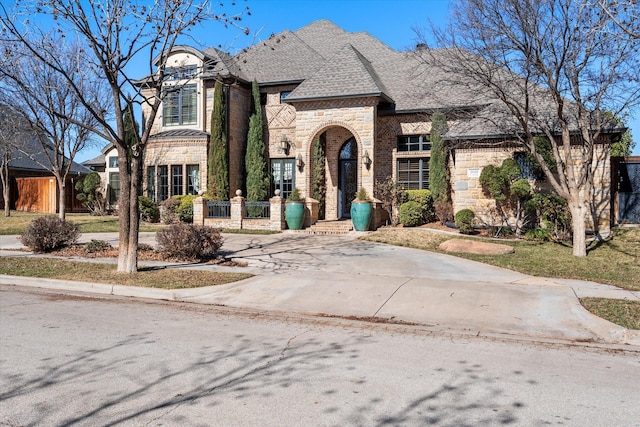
[[362, 98]]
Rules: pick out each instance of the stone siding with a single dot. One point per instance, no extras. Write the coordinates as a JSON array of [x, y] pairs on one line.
[[466, 191], [176, 152], [341, 119]]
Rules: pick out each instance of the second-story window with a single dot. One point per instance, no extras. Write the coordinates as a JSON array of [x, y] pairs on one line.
[[180, 106], [414, 143], [180, 73]]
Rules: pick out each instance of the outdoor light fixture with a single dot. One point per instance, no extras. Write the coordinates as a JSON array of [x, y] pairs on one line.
[[299, 162], [285, 144], [366, 160]]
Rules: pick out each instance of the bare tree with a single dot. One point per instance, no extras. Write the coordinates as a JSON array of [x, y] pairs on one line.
[[543, 68], [10, 137], [54, 113], [625, 14], [118, 33]]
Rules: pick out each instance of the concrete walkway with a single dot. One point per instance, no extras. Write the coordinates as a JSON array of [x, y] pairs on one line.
[[343, 276]]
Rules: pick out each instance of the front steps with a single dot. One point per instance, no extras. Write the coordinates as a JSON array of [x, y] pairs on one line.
[[329, 228]]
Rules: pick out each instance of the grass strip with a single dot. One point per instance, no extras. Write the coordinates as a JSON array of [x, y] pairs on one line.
[[164, 278], [621, 312]]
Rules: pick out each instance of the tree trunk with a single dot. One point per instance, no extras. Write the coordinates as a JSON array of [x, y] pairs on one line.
[[578, 217], [124, 204], [61, 198], [129, 224], [134, 225], [6, 190]]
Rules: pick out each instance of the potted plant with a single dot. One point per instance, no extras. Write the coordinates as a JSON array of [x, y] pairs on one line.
[[294, 210], [361, 210]]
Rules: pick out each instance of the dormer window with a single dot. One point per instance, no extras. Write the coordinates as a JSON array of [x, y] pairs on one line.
[[180, 73], [180, 106]]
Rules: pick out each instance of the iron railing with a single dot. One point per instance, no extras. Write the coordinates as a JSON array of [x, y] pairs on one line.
[[256, 210], [219, 209]]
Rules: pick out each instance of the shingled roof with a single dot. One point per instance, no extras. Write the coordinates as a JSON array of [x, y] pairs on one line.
[[346, 74], [330, 62]]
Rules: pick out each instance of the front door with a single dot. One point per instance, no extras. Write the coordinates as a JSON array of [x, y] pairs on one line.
[[348, 177], [629, 193]]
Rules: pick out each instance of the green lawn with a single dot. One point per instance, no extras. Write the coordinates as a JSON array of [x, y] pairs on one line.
[[18, 221], [165, 278]]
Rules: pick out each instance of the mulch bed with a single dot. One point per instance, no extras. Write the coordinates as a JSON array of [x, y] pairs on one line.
[[79, 250]]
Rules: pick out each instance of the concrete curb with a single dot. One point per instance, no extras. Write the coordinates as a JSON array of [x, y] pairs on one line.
[[604, 333]]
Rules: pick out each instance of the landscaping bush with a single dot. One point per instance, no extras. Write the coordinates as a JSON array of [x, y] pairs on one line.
[[169, 210], [143, 247], [190, 242], [443, 211], [464, 221], [538, 234], [552, 214], [149, 211], [185, 208], [94, 246], [48, 233], [425, 200], [411, 214]]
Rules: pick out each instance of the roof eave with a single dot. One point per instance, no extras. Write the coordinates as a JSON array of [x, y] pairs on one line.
[[320, 98]]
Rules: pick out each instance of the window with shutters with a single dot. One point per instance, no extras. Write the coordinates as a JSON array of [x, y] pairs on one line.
[[413, 173]]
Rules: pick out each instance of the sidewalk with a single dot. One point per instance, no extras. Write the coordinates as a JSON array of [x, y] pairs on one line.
[[343, 276]]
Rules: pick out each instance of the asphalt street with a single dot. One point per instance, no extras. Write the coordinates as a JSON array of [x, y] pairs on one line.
[[104, 360]]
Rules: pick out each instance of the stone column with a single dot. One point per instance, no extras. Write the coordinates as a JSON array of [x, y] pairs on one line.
[[277, 221], [238, 210], [199, 209]]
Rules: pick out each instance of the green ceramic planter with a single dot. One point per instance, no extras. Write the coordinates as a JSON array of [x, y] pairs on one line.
[[294, 215], [361, 215]]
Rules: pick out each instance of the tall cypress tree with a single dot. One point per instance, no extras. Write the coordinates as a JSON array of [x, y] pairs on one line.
[[217, 162], [255, 161], [438, 181], [319, 178]]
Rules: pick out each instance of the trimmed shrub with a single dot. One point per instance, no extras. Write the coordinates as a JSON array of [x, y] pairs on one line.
[[94, 246], [189, 242], [169, 210], [464, 221], [149, 211], [425, 200], [185, 208], [410, 214], [48, 233]]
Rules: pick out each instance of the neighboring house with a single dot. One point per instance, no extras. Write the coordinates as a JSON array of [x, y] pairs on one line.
[[106, 165], [626, 189], [33, 188], [358, 96]]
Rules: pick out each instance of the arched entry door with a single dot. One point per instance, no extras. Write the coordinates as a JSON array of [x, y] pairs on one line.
[[348, 179]]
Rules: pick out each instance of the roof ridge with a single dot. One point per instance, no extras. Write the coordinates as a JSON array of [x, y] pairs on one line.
[[370, 69], [357, 77]]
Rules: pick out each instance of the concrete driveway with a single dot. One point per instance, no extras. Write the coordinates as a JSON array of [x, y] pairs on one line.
[[344, 276]]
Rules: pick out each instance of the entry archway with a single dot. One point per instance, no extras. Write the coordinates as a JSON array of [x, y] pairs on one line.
[[348, 176]]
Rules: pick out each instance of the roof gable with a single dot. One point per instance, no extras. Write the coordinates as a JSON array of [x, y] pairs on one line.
[[346, 74]]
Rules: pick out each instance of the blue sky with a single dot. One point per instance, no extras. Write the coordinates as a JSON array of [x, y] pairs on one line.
[[391, 21]]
